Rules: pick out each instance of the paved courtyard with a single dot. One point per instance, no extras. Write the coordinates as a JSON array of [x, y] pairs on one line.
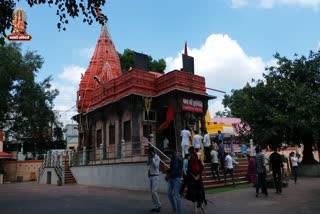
[[32, 198]]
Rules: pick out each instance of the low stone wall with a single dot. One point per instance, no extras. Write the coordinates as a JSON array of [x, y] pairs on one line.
[[296, 150], [312, 170], [131, 176], [20, 170]]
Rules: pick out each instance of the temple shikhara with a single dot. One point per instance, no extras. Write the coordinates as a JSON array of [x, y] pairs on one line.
[[115, 108]]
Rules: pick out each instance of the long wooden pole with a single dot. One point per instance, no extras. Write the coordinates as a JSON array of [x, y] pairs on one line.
[[212, 89]]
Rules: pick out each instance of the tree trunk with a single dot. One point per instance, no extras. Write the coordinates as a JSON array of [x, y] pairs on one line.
[[307, 154], [318, 146]]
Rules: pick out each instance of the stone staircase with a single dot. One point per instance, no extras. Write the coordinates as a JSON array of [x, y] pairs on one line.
[[239, 174], [68, 177]]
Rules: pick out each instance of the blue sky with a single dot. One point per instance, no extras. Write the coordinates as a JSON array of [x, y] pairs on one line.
[[232, 40]]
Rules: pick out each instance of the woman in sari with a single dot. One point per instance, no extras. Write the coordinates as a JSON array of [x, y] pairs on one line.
[[195, 192], [252, 169]]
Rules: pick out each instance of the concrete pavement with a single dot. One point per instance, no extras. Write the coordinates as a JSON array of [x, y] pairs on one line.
[[32, 198]]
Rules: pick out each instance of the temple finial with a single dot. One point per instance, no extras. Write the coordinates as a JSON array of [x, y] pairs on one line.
[[185, 48], [104, 30]]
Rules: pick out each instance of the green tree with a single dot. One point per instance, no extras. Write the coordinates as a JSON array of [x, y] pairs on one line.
[[224, 113], [126, 60], [64, 10], [284, 107], [26, 110]]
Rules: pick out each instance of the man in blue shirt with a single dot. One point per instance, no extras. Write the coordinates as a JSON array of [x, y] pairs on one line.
[[219, 136], [174, 183], [244, 149], [221, 153]]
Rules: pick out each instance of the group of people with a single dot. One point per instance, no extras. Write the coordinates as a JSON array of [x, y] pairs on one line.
[[257, 171], [190, 168], [214, 152], [197, 141]]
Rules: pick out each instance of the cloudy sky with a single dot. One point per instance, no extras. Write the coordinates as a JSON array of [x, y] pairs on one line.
[[232, 41]]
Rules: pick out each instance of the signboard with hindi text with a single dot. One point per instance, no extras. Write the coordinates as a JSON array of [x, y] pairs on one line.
[[192, 105]]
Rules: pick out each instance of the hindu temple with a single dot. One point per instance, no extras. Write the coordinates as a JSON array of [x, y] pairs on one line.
[[115, 107]]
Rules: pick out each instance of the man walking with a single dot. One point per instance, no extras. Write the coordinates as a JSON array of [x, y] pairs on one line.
[[219, 136], [221, 154], [186, 136], [230, 161], [207, 145], [174, 183], [153, 173], [214, 163], [294, 166], [261, 172], [197, 140], [276, 165]]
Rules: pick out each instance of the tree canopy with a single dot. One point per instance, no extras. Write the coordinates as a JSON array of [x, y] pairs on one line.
[[65, 9], [284, 106], [126, 60], [224, 113], [26, 106]]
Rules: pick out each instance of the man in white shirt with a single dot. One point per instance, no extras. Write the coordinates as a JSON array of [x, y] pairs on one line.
[[229, 169], [186, 136], [294, 166], [153, 174], [197, 140], [206, 144]]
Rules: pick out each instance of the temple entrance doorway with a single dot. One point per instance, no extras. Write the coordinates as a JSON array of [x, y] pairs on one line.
[[169, 139]]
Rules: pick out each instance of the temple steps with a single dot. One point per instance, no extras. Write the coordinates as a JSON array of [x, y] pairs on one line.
[[239, 174], [68, 177]]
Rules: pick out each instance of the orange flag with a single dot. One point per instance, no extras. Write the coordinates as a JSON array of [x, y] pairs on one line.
[[170, 117]]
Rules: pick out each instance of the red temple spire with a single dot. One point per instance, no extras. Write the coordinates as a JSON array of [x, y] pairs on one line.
[[104, 64], [185, 48]]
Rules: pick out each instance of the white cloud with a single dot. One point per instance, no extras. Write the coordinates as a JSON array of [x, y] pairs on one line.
[[215, 106], [65, 113], [67, 85], [267, 3], [272, 3], [65, 101], [87, 52], [303, 3], [222, 62], [67, 92], [238, 3], [72, 73]]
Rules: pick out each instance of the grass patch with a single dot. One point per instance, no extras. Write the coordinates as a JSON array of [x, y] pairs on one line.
[[228, 188]]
